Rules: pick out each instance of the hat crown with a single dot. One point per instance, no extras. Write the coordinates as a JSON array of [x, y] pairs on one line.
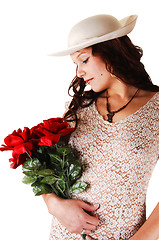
[[97, 29], [92, 27]]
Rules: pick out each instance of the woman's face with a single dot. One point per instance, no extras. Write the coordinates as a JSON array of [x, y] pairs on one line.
[[92, 69]]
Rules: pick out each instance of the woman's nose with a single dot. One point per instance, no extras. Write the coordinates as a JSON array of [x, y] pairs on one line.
[[80, 72]]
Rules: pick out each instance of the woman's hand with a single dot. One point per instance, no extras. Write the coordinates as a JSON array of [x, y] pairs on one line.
[[72, 213]]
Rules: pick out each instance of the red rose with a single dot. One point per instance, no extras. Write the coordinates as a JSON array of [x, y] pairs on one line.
[[47, 133], [51, 130], [17, 160], [19, 142]]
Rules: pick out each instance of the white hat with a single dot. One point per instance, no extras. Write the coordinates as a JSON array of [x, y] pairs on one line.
[[96, 29]]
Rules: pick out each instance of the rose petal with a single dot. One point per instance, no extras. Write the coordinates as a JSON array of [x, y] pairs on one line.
[[22, 148], [14, 162], [12, 140], [54, 125], [66, 131], [58, 119], [5, 148], [49, 140], [25, 134]]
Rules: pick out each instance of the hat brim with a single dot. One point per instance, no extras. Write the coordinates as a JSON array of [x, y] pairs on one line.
[[127, 25]]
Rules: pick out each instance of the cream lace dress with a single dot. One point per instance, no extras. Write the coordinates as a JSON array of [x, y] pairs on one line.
[[118, 160]]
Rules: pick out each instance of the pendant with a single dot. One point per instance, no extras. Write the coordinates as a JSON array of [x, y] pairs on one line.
[[110, 116]]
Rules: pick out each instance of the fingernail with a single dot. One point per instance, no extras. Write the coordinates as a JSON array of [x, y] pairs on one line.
[[96, 205]]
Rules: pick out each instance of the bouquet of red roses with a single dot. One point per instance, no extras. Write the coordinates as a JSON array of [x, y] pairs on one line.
[[48, 162]]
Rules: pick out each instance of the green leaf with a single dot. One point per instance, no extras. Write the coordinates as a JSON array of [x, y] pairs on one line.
[[74, 171], [64, 150], [62, 184], [29, 173], [33, 163], [45, 172], [42, 188], [43, 166], [59, 189], [61, 143], [55, 190], [57, 168], [36, 183], [79, 187], [70, 158], [50, 148], [41, 149], [55, 158], [49, 180], [29, 179]]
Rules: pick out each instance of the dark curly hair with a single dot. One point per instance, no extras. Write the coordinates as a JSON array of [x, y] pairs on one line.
[[122, 59]]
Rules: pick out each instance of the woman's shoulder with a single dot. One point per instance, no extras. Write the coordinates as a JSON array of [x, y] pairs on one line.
[[80, 109], [151, 111], [154, 98], [82, 113], [149, 98], [156, 95]]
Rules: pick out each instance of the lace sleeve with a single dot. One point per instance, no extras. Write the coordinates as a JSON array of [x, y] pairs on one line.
[[71, 124], [66, 107]]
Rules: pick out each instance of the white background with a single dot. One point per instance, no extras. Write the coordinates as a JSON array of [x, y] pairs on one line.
[[34, 87]]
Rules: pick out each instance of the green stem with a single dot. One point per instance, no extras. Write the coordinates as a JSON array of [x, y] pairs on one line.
[[63, 160], [68, 191], [63, 194], [29, 155], [54, 190]]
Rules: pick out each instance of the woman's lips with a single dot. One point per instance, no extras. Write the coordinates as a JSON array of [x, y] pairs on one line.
[[88, 80]]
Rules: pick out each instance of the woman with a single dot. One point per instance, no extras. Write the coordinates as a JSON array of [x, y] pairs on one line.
[[115, 136]]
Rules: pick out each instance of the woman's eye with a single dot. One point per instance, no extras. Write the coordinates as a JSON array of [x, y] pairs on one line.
[[86, 60]]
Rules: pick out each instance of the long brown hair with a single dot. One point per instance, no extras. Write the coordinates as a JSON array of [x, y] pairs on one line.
[[123, 59]]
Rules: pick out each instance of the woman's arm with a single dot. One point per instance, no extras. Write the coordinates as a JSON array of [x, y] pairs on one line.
[[150, 229], [72, 213]]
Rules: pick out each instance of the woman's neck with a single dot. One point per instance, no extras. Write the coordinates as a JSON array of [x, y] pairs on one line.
[[120, 90]]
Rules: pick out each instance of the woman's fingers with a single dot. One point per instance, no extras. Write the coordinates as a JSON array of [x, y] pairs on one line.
[[93, 220], [89, 207], [73, 214], [89, 227]]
